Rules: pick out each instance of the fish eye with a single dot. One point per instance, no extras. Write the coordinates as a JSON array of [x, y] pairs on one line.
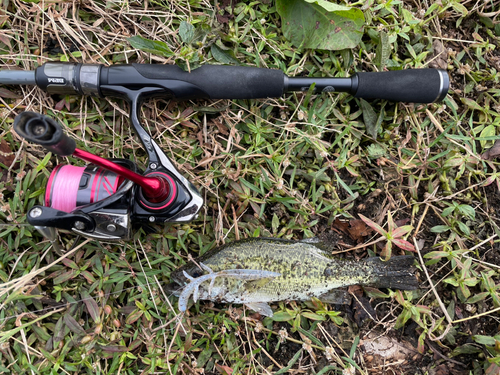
[[196, 273]]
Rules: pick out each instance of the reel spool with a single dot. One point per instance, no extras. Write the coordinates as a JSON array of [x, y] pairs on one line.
[[70, 187]]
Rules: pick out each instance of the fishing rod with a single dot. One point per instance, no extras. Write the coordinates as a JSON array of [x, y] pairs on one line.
[[104, 199], [223, 82]]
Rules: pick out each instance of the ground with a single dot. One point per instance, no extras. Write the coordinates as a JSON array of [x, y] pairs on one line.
[[300, 166]]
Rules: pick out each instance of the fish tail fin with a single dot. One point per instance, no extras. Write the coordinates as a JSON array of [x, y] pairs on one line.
[[395, 273]]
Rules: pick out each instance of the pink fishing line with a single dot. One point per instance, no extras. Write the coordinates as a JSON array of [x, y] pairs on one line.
[[64, 187]]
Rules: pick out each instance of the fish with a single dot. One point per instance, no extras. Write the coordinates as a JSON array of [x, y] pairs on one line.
[[273, 270]]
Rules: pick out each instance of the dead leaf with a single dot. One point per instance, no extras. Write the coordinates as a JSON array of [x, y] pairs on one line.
[[439, 58], [341, 226], [220, 126], [493, 152], [60, 104], [4, 93], [225, 16], [358, 230], [6, 155], [224, 370], [361, 306], [401, 222], [384, 349]]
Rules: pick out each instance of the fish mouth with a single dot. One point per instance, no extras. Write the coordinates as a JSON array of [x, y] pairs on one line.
[[172, 288]]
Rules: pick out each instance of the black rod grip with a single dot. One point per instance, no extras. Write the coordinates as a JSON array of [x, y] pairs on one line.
[[411, 85], [220, 81], [44, 131]]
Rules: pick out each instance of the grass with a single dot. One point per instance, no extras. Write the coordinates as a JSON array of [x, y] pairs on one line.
[[289, 167]]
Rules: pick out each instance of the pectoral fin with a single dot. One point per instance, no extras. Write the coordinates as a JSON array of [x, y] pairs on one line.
[[261, 307], [336, 297]]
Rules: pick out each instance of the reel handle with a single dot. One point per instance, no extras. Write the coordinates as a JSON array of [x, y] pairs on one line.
[[44, 131]]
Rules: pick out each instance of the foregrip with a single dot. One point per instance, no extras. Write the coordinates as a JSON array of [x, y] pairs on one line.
[[411, 85], [222, 82]]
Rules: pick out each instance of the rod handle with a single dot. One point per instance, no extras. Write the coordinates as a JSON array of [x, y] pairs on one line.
[[409, 85]]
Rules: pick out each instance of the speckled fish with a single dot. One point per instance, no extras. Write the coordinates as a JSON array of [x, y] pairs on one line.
[[296, 270]]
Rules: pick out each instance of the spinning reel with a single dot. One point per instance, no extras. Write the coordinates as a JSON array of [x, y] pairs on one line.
[[102, 200]]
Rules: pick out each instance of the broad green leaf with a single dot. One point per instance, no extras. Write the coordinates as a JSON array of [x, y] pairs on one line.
[[448, 210], [186, 32], [464, 228], [467, 210], [222, 56], [485, 340], [489, 131], [331, 7], [375, 293], [133, 316], [451, 280], [319, 24], [370, 118], [376, 150], [152, 46], [275, 223], [282, 316]]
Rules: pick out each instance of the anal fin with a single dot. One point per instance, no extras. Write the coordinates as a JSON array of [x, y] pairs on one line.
[[261, 307], [336, 297]]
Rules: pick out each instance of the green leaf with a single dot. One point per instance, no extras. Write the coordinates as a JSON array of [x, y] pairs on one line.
[[370, 118], [459, 8], [489, 131], [222, 56], [464, 228], [152, 46], [374, 293], [64, 277], [440, 228], [319, 24], [92, 306], [448, 210], [467, 210], [484, 340], [186, 32], [451, 280], [488, 22], [133, 316], [282, 316], [204, 357], [383, 51], [471, 104], [313, 316], [275, 223], [73, 325]]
